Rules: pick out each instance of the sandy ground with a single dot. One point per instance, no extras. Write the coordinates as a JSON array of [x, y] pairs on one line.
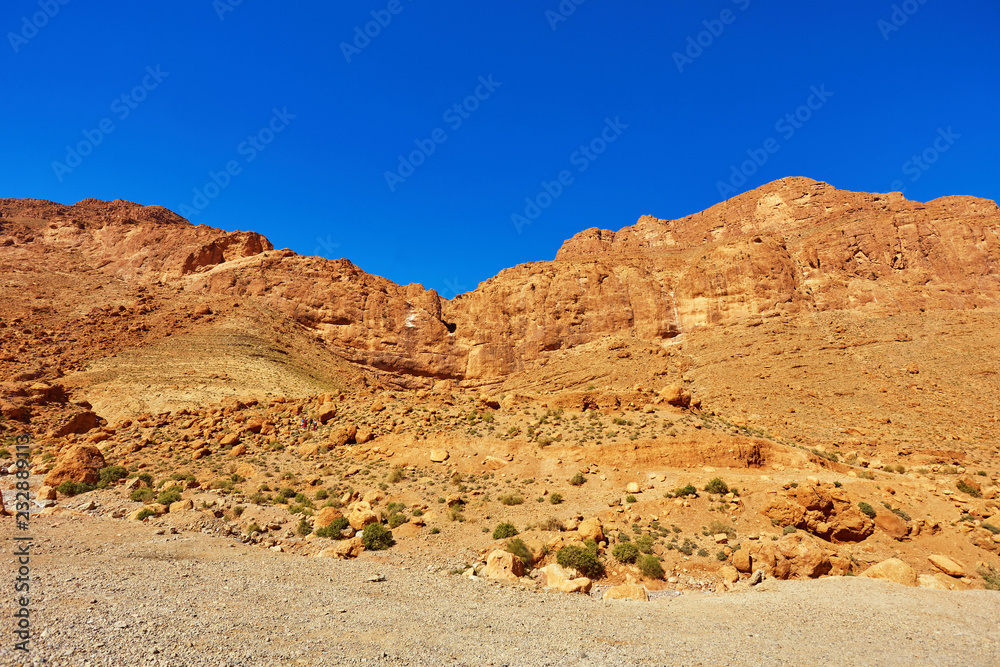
[[107, 592]]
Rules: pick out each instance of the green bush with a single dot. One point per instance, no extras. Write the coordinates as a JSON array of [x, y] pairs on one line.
[[645, 544], [322, 494], [650, 567], [395, 476], [991, 578], [683, 491], [511, 499], [142, 495], [303, 528], [717, 486], [112, 474], [375, 537], [867, 510], [555, 498], [583, 559], [504, 530], [703, 553], [145, 478], [631, 499], [788, 530], [332, 530], [169, 495], [625, 552], [71, 488], [5, 454], [968, 489], [396, 520], [717, 527], [578, 479], [144, 514], [254, 528], [990, 527], [517, 547]]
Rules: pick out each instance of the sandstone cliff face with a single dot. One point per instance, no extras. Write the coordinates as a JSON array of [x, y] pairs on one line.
[[795, 246]]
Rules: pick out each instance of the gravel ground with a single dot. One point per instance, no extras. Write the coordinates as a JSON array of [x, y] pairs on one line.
[[107, 592]]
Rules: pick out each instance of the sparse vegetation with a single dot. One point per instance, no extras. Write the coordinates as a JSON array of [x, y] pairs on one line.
[[555, 498], [683, 491], [71, 488], [717, 486], [578, 479], [625, 552], [991, 577], [375, 537], [517, 547], [968, 489], [650, 567], [867, 510], [788, 530], [583, 559], [504, 531], [511, 499], [144, 514]]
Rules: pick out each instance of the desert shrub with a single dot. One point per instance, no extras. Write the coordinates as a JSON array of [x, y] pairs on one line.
[[517, 547], [435, 530], [545, 440], [332, 530], [555, 498], [721, 556], [455, 513], [717, 486], [578, 479], [867, 510], [395, 476], [838, 484], [687, 548], [645, 544], [625, 552], [145, 514], [169, 495], [630, 498], [991, 578], [303, 528], [254, 528], [511, 499], [71, 488], [503, 531], [417, 512], [583, 559], [142, 495], [717, 527], [552, 524], [683, 491], [322, 494], [396, 520], [788, 530], [4, 453], [145, 478], [990, 527], [112, 474], [375, 537], [864, 474], [650, 567], [968, 489], [703, 553]]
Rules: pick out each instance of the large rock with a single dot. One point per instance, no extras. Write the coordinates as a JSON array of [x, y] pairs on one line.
[[325, 516], [362, 515], [591, 529], [742, 561], [893, 525], [893, 570], [949, 566], [795, 556], [343, 549], [826, 512], [326, 412], [82, 463], [343, 435], [564, 580], [503, 565], [626, 592], [439, 455], [81, 422]]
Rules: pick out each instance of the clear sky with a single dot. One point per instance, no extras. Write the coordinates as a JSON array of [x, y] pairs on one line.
[[287, 119]]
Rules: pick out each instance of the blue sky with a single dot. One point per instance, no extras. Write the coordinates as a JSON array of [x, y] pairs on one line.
[[280, 118]]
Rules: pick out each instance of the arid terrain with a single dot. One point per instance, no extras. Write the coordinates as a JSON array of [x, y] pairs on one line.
[[766, 430]]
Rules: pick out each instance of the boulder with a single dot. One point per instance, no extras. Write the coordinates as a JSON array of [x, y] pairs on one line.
[[362, 515], [81, 422], [439, 455], [229, 440], [493, 463], [893, 525], [343, 435], [564, 580], [326, 412], [633, 487], [730, 574], [828, 513], [674, 395], [47, 493], [238, 450], [82, 463], [893, 570], [344, 549], [3, 510], [931, 581], [363, 435], [503, 565], [181, 505], [326, 516], [793, 556], [741, 561], [626, 592], [591, 529], [949, 566]]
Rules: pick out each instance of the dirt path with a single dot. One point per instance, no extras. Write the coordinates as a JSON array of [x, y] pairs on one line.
[[110, 593]]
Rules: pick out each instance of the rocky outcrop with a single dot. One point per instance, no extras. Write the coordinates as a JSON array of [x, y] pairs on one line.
[[826, 512], [82, 463]]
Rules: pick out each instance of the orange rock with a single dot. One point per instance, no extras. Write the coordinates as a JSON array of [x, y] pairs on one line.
[[82, 463]]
